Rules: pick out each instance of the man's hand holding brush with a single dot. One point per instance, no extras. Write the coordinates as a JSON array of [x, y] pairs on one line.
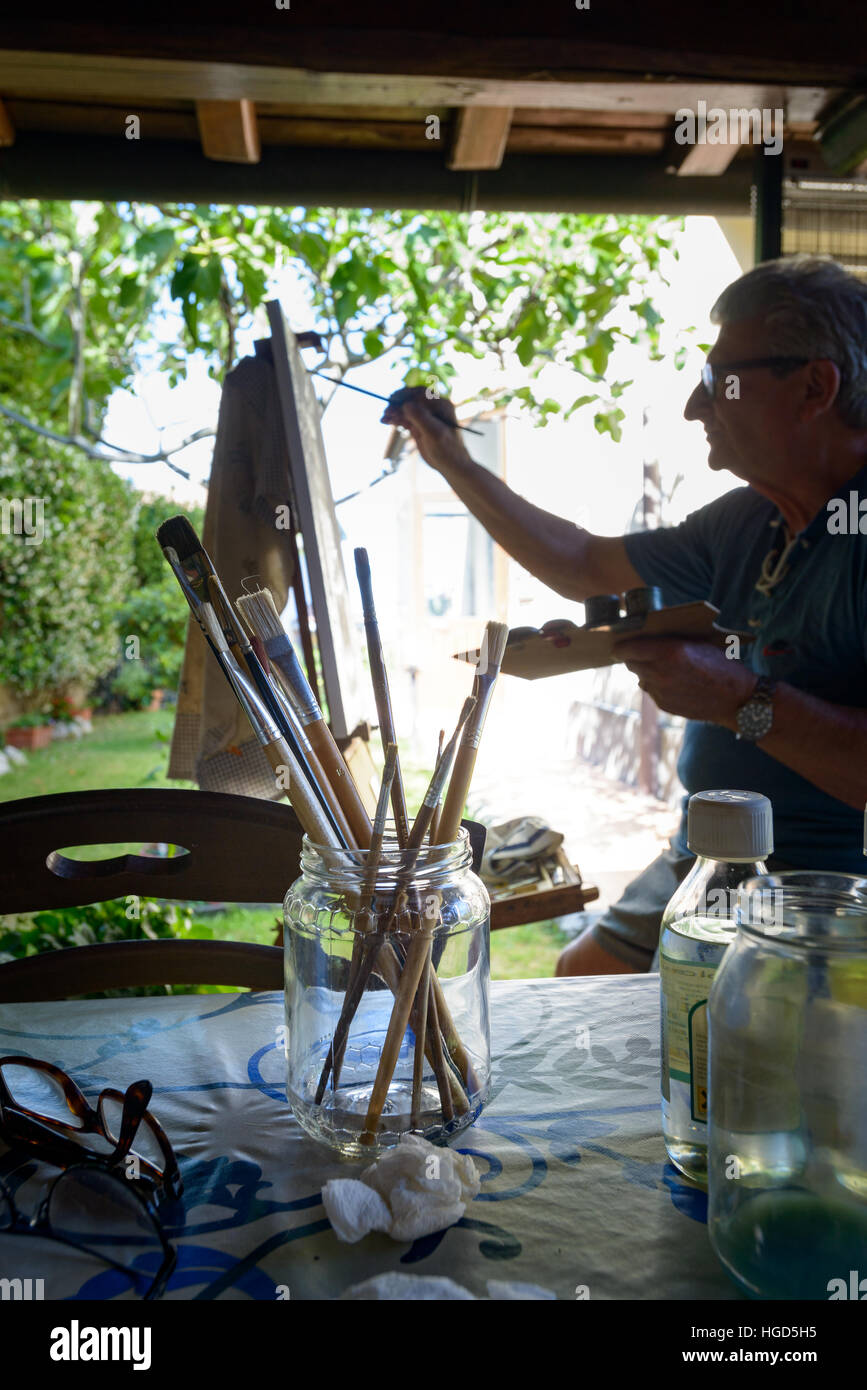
[[431, 422]]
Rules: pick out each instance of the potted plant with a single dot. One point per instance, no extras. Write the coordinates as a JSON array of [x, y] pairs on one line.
[[29, 731], [65, 709]]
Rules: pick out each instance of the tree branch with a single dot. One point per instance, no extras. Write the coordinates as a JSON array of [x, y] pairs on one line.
[[117, 455], [31, 332], [76, 318]]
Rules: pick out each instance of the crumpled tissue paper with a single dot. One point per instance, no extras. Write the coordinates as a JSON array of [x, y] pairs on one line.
[[410, 1287], [410, 1191]]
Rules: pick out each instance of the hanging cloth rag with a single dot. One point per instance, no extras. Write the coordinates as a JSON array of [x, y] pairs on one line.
[[245, 533]]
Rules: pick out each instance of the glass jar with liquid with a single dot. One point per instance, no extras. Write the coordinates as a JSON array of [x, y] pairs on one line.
[[787, 1152], [731, 833]]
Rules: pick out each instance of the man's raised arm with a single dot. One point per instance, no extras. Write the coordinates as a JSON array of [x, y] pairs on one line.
[[568, 559]]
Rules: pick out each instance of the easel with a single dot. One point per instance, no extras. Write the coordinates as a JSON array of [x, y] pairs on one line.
[[337, 678]]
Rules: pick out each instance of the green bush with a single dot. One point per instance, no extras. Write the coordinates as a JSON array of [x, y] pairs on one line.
[[129, 685], [154, 612], [122, 919], [59, 598]]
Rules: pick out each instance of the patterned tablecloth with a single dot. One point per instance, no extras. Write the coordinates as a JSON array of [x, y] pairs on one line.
[[576, 1189]]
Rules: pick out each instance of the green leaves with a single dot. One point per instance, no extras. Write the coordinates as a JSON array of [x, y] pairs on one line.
[[532, 290], [156, 245], [184, 277], [197, 283], [373, 345], [608, 422], [577, 404], [529, 330]]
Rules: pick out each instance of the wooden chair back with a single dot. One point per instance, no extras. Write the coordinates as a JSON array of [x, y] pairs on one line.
[[239, 849]]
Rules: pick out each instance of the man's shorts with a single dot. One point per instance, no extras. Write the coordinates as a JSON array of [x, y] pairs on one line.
[[630, 928]]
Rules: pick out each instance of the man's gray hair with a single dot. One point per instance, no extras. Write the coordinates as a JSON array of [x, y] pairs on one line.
[[812, 308]]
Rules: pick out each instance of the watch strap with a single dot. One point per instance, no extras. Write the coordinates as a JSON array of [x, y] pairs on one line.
[[763, 688]]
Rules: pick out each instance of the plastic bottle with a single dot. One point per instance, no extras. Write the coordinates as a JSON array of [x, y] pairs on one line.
[[731, 833]]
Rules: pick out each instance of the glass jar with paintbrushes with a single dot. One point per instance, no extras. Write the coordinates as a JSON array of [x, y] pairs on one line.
[[388, 970], [387, 973], [387, 951]]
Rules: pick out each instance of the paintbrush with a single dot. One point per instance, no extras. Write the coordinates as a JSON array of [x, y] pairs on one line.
[[311, 760], [418, 952], [314, 770], [452, 424], [260, 614], [290, 778], [267, 728], [201, 585], [334, 1060], [435, 818], [487, 670], [379, 677]]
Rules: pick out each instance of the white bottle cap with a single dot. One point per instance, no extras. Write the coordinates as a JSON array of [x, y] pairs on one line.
[[730, 825]]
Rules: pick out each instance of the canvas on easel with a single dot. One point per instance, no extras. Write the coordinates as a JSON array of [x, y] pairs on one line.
[[316, 519]]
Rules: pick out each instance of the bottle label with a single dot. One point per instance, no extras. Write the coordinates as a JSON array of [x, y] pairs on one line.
[[697, 1030], [685, 990]]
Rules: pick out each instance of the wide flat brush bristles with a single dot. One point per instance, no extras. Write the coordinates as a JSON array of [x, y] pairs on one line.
[[260, 615], [259, 612], [493, 649], [180, 534]]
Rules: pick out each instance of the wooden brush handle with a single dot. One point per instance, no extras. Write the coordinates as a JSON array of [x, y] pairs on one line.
[[298, 792], [459, 786], [340, 779], [409, 982], [420, 1029], [381, 694], [323, 781]]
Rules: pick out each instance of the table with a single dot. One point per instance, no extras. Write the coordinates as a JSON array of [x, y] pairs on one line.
[[576, 1191]]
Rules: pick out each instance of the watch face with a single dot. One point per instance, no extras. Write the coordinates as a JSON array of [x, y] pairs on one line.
[[755, 719]]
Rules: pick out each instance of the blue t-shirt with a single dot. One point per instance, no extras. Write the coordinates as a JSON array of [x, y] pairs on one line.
[[810, 631]]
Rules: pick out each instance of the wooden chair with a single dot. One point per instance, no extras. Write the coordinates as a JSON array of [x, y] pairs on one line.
[[239, 849]]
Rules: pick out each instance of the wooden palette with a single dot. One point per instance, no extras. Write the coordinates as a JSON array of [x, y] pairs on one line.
[[560, 646]]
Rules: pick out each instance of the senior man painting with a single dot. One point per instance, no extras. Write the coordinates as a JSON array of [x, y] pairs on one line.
[[783, 401]]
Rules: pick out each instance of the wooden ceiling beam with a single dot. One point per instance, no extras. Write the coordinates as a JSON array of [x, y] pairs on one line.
[[228, 131], [777, 43], [480, 137], [315, 130], [400, 127], [634, 120], [584, 139], [59, 75]]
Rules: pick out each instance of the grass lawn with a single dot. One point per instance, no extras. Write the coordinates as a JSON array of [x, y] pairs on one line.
[[124, 750], [131, 750]]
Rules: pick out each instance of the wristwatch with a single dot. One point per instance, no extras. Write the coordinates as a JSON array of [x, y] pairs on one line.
[[755, 717]]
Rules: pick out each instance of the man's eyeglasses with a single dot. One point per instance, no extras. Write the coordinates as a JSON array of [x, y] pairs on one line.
[[104, 1201], [711, 372], [40, 1104], [92, 1208]]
